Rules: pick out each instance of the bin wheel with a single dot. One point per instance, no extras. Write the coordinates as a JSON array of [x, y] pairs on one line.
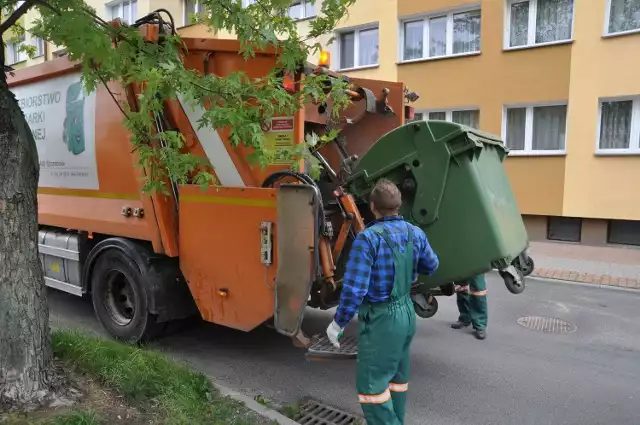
[[448, 289], [430, 310], [510, 282], [528, 267]]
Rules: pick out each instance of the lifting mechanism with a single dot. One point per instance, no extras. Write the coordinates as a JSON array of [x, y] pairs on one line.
[[318, 220]]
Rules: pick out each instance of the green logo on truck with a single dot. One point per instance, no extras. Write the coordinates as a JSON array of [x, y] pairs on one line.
[[73, 134]]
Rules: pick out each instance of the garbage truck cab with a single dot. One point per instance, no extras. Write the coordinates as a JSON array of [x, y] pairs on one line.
[[262, 245]]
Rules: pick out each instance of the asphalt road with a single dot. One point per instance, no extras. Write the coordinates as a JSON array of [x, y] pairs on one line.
[[516, 376]]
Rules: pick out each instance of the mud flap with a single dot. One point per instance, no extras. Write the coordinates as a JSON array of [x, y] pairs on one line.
[[297, 234]]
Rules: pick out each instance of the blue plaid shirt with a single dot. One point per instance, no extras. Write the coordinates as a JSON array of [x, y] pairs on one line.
[[370, 269]]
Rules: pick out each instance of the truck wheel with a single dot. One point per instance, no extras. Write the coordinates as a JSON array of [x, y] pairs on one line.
[[120, 298], [430, 310]]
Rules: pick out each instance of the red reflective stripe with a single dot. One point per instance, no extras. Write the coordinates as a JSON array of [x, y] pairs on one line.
[[399, 388], [375, 399]]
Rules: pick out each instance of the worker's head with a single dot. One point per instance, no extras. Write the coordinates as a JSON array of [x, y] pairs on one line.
[[385, 199]]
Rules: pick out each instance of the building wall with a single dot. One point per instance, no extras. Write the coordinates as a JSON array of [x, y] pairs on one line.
[[599, 186], [490, 80]]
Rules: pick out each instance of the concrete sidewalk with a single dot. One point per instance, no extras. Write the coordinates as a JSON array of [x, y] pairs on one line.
[[609, 266]]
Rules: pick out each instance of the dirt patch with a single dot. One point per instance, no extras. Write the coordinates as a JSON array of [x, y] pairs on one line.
[[105, 405]]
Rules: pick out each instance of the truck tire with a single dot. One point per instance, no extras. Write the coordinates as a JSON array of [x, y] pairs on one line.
[[120, 298]]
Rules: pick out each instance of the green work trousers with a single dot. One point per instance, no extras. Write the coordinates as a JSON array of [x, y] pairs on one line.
[[385, 332], [472, 304]]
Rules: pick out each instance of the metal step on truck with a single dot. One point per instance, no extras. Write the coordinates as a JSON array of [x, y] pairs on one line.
[[264, 244]]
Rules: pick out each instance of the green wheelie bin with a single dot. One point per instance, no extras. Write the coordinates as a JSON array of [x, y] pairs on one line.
[[455, 187]]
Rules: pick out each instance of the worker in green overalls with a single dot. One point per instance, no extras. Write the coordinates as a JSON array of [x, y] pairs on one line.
[[384, 261], [471, 296]]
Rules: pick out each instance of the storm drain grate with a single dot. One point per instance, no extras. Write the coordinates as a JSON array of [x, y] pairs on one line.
[[323, 348], [547, 324], [313, 412]]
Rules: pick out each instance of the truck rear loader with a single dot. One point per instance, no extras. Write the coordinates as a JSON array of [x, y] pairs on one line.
[[264, 244]]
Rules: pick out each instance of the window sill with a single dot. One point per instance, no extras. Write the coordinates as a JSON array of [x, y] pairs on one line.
[[308, 18], [617, 152], [358, 68], [535, 46], [17, 63], [537, 153], [621, 33], [436, 58]]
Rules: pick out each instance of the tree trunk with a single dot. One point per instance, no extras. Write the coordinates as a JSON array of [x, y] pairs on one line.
[[25, 346]]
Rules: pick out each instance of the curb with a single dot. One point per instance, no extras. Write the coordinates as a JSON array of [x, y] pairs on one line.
[[255, 406], [575, 282], [589, 285]]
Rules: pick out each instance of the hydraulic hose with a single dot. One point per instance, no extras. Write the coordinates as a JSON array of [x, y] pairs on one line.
[[303, 178]]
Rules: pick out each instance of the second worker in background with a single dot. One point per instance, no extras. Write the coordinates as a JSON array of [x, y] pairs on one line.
[[384, 261]]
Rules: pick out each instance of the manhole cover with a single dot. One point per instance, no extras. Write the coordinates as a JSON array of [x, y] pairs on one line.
[[546, 324], [313, 412]]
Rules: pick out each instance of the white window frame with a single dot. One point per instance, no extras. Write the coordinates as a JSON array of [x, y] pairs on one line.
[[607, 16], [448, 112], [634, 143], [425, 33], [38, 42], [303, 9], [184, 11], [9, 10], [14, 55], [120, 3], [531, 35], [356, 46], [528, 129]]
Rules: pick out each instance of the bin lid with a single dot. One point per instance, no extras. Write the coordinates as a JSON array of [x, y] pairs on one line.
[[417, 157]]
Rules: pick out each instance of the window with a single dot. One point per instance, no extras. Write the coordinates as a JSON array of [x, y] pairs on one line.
[[468, 117], [565, 229], [127, 11], [619, 126], [535, 129], [8, 10], [358, 48], [624, 232], [446, 34], [623, 16], [533, 22], [192, 7], [14, 54], [302, 9], [39, 43]]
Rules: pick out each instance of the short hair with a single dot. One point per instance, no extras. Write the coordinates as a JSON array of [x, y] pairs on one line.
[[386, 197]]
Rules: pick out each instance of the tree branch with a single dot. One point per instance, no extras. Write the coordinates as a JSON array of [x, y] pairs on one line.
[[17, 14]]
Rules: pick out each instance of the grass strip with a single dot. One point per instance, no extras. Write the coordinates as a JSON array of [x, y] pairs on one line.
[[74, 418], [151, 381]]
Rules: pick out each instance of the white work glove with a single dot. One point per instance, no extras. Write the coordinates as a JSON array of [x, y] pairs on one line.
[[462, 288], [334, 332]]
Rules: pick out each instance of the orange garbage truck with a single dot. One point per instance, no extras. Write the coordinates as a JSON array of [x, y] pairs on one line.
[[260, 247]]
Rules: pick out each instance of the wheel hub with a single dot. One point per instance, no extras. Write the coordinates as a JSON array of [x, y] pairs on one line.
[[120, 298]]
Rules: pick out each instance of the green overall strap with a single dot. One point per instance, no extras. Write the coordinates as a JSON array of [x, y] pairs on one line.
[[403, 263]]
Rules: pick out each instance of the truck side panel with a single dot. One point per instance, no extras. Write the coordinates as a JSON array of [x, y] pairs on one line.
[[87, 172]]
